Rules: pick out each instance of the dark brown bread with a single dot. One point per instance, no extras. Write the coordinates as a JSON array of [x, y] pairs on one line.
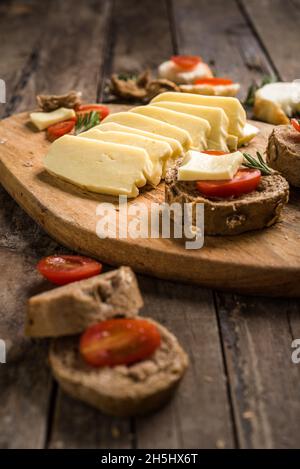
[[283, 153], [72, 308], [122, 391], [253, 211]]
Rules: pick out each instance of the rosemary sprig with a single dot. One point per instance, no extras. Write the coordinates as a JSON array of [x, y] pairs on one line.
[[86, 122], [249, 101], [258, 163]]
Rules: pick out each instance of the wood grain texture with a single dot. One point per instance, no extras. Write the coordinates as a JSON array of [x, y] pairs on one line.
[[222, 37], [199, 415], [70, 54], [21, 27], [276, 23], [263, 380], [69, 215]]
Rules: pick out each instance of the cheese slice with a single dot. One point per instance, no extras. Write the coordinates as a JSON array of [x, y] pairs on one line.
[[107, 168], [197, 127], [177, 149], [231, 106], [42, 120], [158, 151], [250, 131], [149, 124], [199, 166], [216, 117], [232, 142]]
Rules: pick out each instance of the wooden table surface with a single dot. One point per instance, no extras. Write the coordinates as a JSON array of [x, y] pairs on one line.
[[242, 389]]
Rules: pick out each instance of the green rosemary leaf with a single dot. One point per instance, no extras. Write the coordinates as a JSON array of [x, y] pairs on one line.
[[259, 163], [86, 122]]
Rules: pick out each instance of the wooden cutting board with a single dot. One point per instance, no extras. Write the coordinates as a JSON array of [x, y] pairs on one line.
[[265, 262]]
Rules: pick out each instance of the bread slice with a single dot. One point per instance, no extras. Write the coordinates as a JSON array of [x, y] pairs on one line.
[[253, 211], [283, 153], [122, 391], [72, 308]]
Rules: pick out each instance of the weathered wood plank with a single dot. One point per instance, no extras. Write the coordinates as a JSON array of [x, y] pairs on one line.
[[277, 24], [263, 381], [140, 38], [221, 35], [199, 415], [77, 425], [21, 25], [25, 384], [70, 52]]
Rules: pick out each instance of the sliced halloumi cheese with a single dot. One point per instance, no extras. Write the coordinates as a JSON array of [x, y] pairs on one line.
[[197, 127], [42, 120], [250, 131], [199, 166], [216, 117], [232, 142], [137, 121], [158, 151], [103, 167], [174, 144], [231, 106]]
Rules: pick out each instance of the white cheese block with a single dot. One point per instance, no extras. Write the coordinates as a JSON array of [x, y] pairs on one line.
[[113, 126], [197, 127], [199, 166], [216, 117], [107, 168], [275, 102], [149, 124], [250, 131], [42, 120], [158, 151], [231, 106], [171, 71]]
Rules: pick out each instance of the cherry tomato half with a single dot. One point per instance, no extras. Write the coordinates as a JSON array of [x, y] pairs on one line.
[[213, 81], [63, 269], [296, 124], [61, 128], [119, 342], [186, 62], [102, 110], [245, 181]]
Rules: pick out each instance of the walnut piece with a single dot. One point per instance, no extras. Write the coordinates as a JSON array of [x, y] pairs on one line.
[[139, 88], [52, 102]]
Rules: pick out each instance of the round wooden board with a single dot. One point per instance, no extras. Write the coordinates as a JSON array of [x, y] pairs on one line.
[[264, 262]]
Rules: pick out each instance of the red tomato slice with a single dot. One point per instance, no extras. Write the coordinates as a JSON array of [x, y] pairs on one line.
[[186, 62], [213, 81], [119, 342], [296, 124], [63, 269], [102, 110], [245, 181], [215, 152], [61, 128]]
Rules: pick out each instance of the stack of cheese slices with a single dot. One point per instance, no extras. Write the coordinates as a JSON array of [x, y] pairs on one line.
[[131, 149]]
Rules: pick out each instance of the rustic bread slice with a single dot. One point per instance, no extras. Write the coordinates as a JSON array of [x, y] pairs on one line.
[[283, 153], [253, 211], [72, 308], [122, 391]]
